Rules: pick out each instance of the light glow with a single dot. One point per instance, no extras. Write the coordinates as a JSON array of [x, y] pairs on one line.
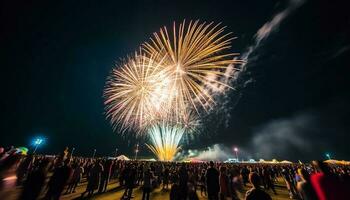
[[165, 141]]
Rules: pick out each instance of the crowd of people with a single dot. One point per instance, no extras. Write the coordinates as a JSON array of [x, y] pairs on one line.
[[48, 178]]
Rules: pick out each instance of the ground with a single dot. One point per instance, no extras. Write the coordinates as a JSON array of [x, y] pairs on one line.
[[115, 192]]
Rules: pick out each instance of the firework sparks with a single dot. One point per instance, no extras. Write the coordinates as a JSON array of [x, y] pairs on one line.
[[136, 93], [190, 122], [193, 56], [165, 141], [162, 89]]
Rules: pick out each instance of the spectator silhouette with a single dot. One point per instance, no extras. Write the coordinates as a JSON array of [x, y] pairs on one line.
[[256, 193], [76, 178], [224, 184], [327, 185], [304, 187], [183, 180], [147, 186], [35, 182], [107, 168], [130, 181], [212, 178], [94, 177], [58, 180]]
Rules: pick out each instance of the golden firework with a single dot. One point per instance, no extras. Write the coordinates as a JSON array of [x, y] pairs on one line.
[[136, 93], [193, 57], [165, 140], [161, 90]]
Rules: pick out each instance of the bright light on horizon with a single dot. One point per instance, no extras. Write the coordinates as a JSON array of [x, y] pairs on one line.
[[38, 141]]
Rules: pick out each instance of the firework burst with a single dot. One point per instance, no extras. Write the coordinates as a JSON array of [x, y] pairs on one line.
[[165, 140], [192, 54], [161, 90], [136, 94]]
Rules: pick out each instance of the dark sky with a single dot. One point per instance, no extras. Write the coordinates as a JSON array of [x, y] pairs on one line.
[[55, 57]]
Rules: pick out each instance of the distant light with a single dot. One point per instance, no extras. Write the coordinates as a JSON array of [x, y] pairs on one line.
[[38, 141], [235, 149]]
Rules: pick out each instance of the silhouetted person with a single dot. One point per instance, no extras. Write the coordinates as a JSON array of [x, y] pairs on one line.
[[256, 193], [212, 178], [62, 157], [224, 184], [327, 185], [192, 194], [174, 191], [268, 180], [35, 182], [58, 180], [245, 175], [183, 180], [93, 178], [76, 178], [107, 168], [147, 184], [304, 187], [202, 183], [165, 178], [288, 178], [129, 182]]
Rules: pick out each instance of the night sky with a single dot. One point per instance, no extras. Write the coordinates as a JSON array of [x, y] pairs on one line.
[[292, 102]]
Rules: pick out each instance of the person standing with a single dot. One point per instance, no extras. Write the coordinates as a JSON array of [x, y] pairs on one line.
[[224, 184], [94, 177], [35, 182], [58, 180], [304, 187], [147, 184], [328, 185], [107, 168], [76, 178], [202, 183], [245, 174], [183, 180], [165, 178], [266, 175], [130, 182], [256, 193], [212, 179]]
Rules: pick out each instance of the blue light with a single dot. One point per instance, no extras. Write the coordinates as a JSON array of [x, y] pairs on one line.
[[38, 141]]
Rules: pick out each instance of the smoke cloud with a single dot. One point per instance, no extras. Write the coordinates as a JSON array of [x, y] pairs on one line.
[[237, 76], [216, 152], [271, 26], [277, 138], [308, 134]]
